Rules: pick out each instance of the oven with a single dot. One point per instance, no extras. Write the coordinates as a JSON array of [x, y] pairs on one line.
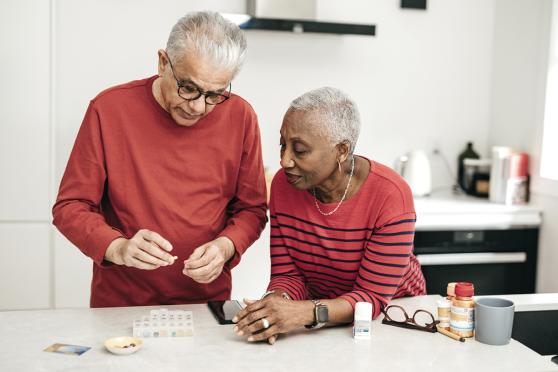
[[501, 261]]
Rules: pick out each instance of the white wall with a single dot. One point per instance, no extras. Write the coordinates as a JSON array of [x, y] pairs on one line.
[[521, 40], [424, 81], [425, 76], [25, 162]]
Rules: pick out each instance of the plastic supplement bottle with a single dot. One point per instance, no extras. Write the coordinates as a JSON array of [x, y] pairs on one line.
[[451, 291], [444, 311], [363, 321], [462, 318]]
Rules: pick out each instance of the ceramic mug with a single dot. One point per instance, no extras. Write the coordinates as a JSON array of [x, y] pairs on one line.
[[494, 320]]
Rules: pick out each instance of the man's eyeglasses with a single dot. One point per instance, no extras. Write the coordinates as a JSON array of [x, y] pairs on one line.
[[421, 320], [191, 92]]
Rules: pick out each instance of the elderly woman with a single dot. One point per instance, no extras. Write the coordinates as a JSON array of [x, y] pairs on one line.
[[342, 225]]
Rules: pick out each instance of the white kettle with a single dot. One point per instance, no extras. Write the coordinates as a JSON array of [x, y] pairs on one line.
[[415, 168]]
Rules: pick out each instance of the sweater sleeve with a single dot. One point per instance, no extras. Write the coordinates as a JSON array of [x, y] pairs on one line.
[[385, 263], [284, 273], [248, 208], [76, 212]]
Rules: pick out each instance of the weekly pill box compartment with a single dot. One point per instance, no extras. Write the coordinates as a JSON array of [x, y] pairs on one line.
[[165, 323]]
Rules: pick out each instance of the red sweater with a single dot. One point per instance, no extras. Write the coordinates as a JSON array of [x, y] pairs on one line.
[[363, 252], [132, 167]]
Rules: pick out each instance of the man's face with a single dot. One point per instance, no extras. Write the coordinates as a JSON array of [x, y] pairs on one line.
[[193, 73]]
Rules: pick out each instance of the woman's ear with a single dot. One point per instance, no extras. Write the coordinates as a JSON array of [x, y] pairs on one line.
[[343, 149]]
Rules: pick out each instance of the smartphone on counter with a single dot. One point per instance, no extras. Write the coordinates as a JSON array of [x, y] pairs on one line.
[[224, 311]]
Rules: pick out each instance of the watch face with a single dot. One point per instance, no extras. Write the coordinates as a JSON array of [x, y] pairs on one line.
[[322, 315]]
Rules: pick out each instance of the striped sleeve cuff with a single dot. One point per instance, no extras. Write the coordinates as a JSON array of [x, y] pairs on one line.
[[362, 296], [292, 285]]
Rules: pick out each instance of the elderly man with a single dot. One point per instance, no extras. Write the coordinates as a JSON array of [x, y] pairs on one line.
[[342, 225], [166, 169]]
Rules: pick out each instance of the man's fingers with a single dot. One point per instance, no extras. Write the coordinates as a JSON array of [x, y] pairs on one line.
[[155, 251], [272, 339], [199, 258], [142, 265], [205, 274], [147, 258], [197, 253], [152, 236]]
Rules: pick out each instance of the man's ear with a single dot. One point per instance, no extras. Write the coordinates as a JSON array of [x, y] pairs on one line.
[[343, 150], [162, 62]]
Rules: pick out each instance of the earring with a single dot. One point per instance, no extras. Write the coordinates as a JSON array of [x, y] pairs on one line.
[[339, 164]]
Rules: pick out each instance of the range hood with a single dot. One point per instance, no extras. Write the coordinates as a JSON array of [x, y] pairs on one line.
[[293, 16]]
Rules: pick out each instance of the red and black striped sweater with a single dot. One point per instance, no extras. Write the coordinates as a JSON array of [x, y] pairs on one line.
[[363, 252]]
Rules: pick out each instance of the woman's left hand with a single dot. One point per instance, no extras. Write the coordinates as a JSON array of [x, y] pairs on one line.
[[281, 314]]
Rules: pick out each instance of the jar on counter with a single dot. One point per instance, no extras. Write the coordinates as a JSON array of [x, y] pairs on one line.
[[444, 312], [462, 317], [477, 177], [450, 291]]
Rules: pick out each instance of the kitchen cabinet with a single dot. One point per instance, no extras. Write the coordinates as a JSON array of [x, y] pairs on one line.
[[461, 238], [25, 276]]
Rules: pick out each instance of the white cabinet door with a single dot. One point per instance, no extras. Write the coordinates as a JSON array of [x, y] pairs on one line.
[[24, 110], [25, 275], [73, 272]]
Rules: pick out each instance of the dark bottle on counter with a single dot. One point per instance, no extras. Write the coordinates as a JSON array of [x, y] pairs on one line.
[[469, 153]]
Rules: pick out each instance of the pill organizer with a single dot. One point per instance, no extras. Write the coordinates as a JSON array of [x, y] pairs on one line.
[[165, 323]]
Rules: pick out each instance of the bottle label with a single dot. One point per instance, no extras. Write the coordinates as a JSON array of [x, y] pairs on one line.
[[462, 321]]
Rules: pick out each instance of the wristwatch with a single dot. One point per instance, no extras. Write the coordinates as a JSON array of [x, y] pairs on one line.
[[321, 315]]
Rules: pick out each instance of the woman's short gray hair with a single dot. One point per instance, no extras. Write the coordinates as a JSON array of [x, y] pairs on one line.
[[208, 35], [337, 114]]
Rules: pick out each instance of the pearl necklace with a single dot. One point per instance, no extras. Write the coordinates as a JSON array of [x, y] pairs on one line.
[[342, 198]]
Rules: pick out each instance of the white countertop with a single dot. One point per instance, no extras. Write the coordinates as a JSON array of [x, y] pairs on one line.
[[215, 348], [445, 210], [531, 302]]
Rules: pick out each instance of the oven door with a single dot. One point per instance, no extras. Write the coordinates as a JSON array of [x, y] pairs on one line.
[[490, 272], [496, 262]]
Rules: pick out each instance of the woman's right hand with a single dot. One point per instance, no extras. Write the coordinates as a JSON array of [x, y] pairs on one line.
[[146, 250]]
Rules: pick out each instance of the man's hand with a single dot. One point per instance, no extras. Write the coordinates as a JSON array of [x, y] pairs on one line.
[[147, 250], [207, 261]]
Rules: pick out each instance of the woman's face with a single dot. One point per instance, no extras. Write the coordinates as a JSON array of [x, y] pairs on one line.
[[308, 158]]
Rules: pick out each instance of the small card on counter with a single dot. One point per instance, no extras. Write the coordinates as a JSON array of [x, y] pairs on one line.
[[67, 349]]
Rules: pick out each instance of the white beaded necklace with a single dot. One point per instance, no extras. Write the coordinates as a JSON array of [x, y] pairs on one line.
[[342, 198]]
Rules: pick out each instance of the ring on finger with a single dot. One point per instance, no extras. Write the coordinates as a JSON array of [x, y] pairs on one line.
[[265, 323]]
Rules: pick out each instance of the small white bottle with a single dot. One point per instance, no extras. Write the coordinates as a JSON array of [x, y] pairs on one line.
[[362, 326]]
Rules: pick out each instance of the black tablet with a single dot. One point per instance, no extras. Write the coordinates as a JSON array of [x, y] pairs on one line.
[[224, 311]]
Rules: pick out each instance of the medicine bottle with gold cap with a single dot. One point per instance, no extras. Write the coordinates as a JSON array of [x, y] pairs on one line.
[[462, 317]]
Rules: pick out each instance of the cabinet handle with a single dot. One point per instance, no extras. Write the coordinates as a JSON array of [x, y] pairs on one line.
[[471, 258]]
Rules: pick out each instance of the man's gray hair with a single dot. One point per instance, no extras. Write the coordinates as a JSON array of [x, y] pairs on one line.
[[209, 36], [336, 114]]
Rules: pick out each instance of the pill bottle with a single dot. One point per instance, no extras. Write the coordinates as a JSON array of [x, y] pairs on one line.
[[462, 317], [362, 326], [444, 311], [450, 291]]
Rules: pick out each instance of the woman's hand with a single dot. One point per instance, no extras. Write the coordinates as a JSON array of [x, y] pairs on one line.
[[282, 315]]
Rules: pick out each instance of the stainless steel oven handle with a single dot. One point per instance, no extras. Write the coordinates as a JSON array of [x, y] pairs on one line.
[[471, 258]]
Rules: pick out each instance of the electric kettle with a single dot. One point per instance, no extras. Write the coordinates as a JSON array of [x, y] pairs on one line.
[[415, 168]]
